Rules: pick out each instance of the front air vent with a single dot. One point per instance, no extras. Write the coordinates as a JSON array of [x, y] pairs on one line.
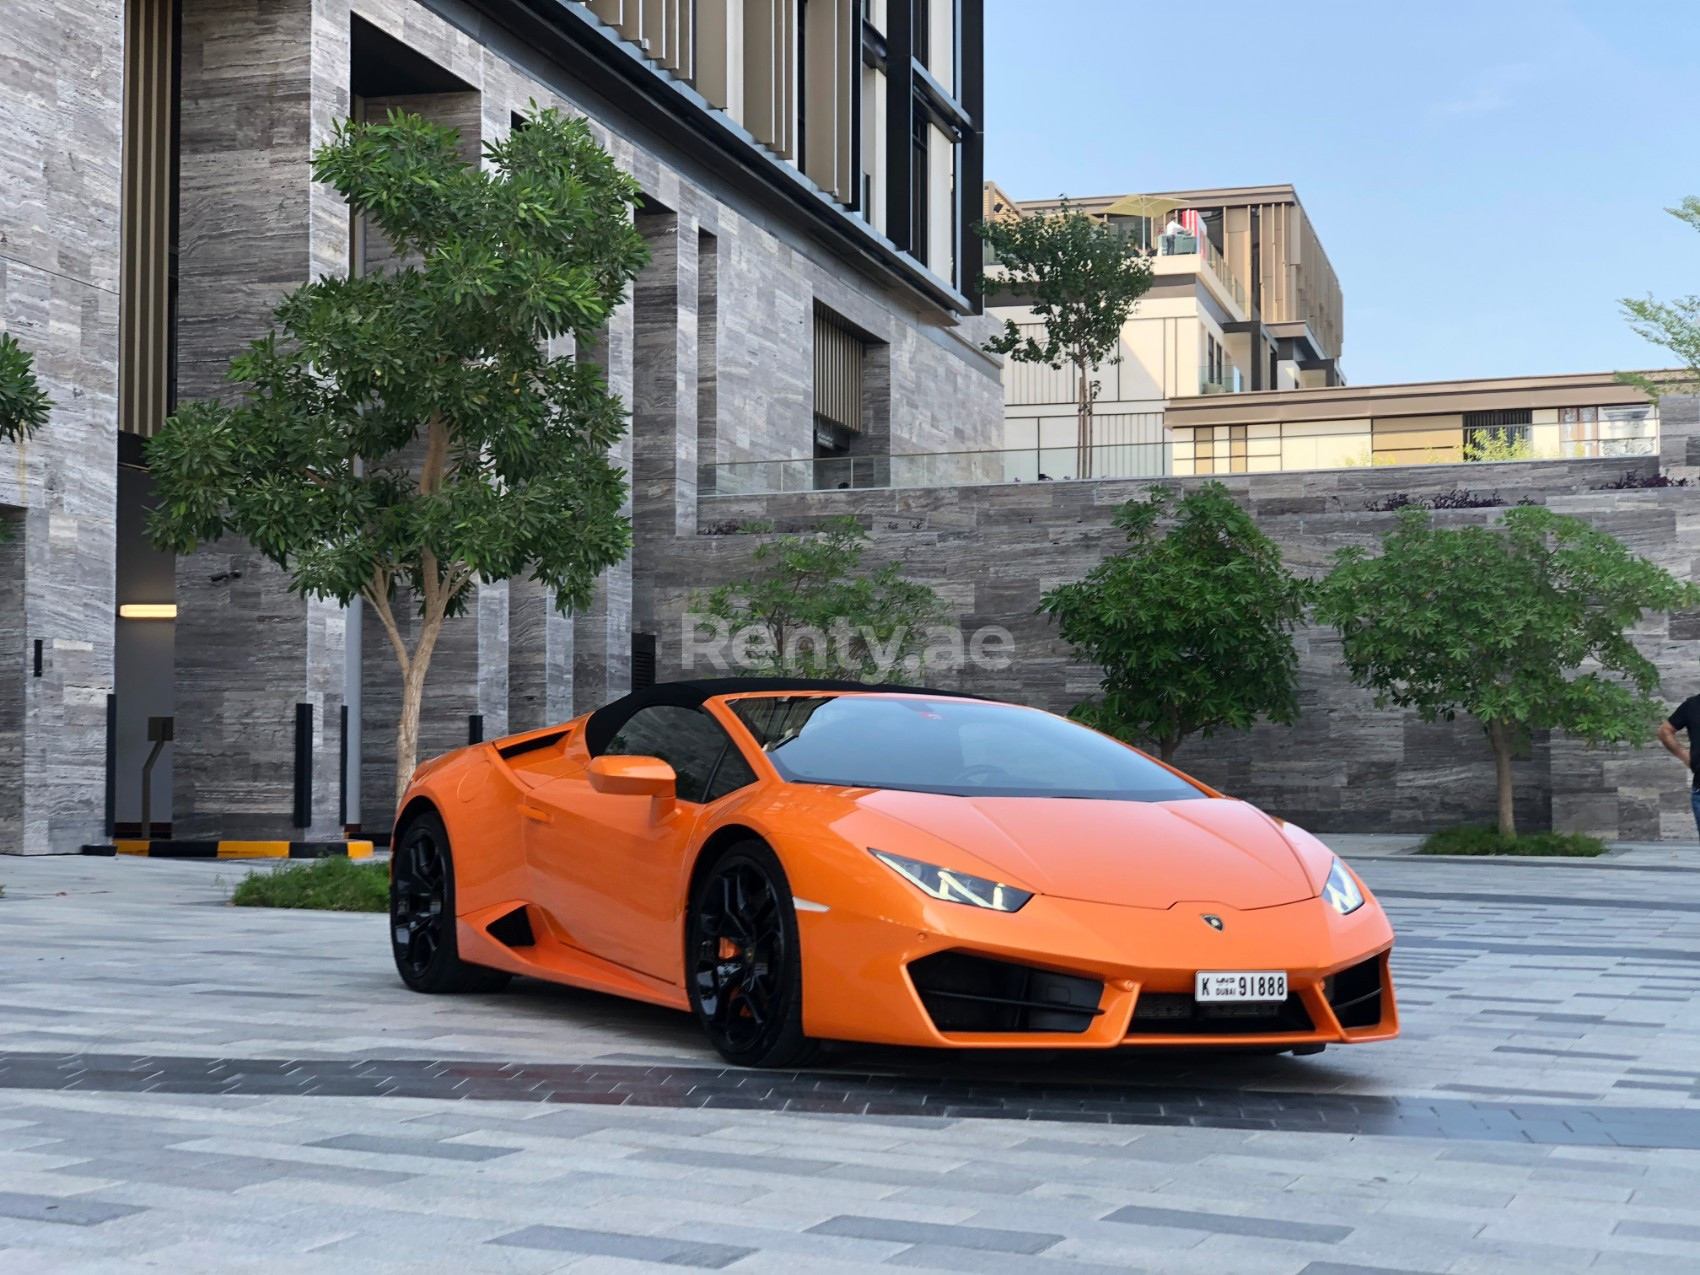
[[1354, 994], [964, 993]]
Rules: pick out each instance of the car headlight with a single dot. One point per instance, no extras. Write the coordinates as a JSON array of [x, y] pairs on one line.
[[954, 887], [1341, 891]]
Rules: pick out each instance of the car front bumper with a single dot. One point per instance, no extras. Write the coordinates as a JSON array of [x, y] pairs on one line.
[[867, 977]]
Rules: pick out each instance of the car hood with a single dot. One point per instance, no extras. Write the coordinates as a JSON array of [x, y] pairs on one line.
[[1133, 853]]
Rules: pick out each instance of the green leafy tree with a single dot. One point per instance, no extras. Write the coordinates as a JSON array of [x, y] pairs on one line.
[[24, 405], [819, 613], [1082, 277], [1674, 325], [1499, 623], [406, 429], [1192, 624]]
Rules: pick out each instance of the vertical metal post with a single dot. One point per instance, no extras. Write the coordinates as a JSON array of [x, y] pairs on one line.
[[303, 815], [475, 728], [111, 763], [161, 731], [342, 777]]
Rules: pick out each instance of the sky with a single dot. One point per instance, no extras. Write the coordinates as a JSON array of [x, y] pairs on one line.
[[1487, 179]]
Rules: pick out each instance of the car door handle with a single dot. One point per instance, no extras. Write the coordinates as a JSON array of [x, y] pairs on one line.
[[533, 812]]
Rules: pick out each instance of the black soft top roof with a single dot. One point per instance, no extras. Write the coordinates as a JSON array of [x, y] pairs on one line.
[[599, 729]]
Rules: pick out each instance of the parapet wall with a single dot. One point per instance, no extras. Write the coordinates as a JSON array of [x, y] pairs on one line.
[[992, 551]]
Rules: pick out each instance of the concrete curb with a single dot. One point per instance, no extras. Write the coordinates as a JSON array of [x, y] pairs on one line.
[[175, 849]]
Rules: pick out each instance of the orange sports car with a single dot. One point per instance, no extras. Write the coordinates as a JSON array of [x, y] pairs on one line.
[[797, 861]]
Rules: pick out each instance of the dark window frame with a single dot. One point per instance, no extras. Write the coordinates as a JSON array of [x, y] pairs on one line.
[[711, 774]]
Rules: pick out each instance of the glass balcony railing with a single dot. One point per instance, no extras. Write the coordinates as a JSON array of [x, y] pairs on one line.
[[1191, 246], [1228, 381], [1203, 450], [941, 469]]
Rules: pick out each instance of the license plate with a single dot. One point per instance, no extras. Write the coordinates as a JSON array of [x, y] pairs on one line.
[[1241, 985]]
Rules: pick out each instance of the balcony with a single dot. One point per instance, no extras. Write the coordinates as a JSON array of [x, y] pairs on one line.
[[1228, 381], [1211, 263]]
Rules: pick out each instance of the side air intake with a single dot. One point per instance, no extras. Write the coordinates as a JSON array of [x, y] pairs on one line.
[[513, 929]]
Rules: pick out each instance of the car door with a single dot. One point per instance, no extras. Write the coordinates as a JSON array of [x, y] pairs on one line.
[[609, 867]]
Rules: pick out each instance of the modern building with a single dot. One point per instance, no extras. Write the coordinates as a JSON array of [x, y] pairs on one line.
[[803, 164], [1245, 299], [1330, 427]]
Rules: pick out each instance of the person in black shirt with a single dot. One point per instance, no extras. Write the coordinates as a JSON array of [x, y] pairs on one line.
[[1686, 717]]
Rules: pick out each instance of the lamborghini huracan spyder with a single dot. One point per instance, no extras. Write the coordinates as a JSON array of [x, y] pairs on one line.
[[798, 861]]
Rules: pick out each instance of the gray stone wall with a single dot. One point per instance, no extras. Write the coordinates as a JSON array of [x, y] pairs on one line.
[[260, 90], [61, 71], [993, 551]]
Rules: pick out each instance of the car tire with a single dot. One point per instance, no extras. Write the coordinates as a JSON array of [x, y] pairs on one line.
[[422, 914], [743, 962]]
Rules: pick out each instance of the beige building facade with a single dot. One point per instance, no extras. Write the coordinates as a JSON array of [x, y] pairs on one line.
[[1572, 417], [1244, 299]]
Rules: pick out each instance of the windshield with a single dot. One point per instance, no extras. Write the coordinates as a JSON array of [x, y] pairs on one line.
[[966, 748]]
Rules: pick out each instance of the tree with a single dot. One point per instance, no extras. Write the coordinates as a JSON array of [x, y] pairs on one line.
[[1499, 622], [24, 405], [1191, 624], [813, 611], [1675, 325], [406, 429], [1082, 278]]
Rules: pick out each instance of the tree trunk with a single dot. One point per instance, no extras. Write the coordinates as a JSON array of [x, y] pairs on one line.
[[412, 698], [1499, 736], [407, 730], [1083, 446], [440, 588]]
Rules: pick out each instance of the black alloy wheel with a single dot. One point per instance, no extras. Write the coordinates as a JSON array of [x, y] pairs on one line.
[[745, 968], [422, 928]]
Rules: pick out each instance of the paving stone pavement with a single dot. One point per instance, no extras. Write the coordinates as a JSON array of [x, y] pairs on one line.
[[191, 1087]]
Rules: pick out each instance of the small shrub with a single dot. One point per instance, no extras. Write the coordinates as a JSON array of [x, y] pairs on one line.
[[1635, 479], [1457, 498], [327, 885], [1474, 839], [757, 527]]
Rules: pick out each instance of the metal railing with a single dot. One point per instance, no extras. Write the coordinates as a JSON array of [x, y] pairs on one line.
[[940, 469]]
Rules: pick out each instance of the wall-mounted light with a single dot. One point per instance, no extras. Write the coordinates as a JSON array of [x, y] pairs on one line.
[[148, 611]]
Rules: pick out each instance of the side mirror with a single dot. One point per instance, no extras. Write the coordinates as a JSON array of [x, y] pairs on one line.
[[633, 777]]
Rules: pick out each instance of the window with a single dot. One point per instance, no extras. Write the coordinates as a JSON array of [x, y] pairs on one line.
[[691, 742], [733, 773], [967, 748], [1134, 229], [840, 354], [1502, 434], [919, 197]]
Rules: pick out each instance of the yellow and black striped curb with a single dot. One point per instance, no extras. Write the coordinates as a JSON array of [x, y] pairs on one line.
[[176, 849]]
